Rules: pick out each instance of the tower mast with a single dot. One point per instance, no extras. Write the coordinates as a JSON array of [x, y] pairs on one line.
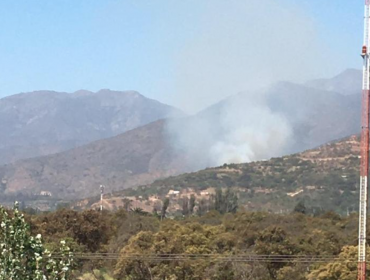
[[102, 187], [364, 170]]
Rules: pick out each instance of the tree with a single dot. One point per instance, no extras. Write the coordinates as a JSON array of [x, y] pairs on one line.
[[166, 203], [343, 269], [296, 272], [300, 208], [23, 257], [174, 238], [88, 228], [185, 206], [202, 207], [274, 241], [128, 225], [219, 200], [191, 204], [139, 211], [226, 202], [230, 201], [127, 204]]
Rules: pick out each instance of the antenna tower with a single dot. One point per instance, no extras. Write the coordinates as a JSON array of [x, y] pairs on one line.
[[364, 170], [102, 187]]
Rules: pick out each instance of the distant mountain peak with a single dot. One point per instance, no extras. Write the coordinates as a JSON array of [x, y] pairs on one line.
[[128, 92], [347, 82], [82, 92], [45, 122], [350, 71]]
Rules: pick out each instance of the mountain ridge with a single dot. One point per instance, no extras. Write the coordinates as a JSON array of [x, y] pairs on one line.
[[285, 119], [347, 82], [118, 162], [46, 122]]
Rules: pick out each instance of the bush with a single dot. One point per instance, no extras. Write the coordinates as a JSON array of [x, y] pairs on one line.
[[24, 256]]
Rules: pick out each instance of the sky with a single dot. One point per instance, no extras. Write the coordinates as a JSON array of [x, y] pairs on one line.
[[189, 54]]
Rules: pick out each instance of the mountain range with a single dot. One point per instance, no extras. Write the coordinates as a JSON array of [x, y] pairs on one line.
[[282, 119], [46, 122], [130, 159], [60, 129], [347, 83]]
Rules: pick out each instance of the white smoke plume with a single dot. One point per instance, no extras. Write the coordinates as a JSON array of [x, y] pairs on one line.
[[240, 129], [250, 132], [242, 46]]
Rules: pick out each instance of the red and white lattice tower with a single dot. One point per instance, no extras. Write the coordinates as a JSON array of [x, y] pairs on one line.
[[364, 170]]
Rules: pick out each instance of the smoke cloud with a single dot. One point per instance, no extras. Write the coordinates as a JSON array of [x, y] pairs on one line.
[[241, 46], [249, 132], [239, 129]]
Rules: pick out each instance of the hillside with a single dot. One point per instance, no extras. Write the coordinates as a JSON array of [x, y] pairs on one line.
[[130, 159], [325, 178], [286, 118], [46, 122], [283, 119], [347, 82]]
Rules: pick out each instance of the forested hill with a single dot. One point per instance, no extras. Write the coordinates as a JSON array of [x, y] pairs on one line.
[[324, 178]]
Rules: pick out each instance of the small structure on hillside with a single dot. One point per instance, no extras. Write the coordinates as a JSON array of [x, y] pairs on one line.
[[173, 192], [45, 193]]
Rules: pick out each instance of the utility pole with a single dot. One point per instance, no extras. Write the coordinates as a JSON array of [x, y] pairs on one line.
[[102, 187], [364, 170]]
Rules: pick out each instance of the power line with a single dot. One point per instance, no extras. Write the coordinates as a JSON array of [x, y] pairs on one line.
[[211, 257]]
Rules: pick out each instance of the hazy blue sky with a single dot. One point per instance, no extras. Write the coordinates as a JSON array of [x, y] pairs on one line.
[[174, 50]]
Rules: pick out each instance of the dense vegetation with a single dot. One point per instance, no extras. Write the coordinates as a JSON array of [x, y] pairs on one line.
[[325, 178], [184, 235], [141, 234]]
